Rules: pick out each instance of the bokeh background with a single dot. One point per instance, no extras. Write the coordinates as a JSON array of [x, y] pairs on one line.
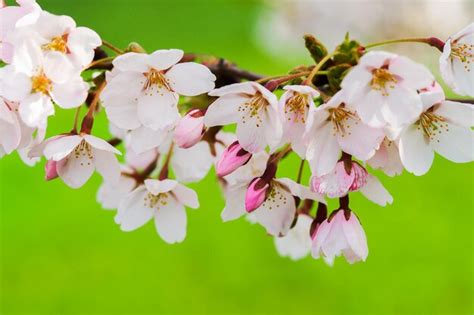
[[61, 253]]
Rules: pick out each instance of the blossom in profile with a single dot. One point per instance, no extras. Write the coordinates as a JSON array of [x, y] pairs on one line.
[[189, 129], [255, 111], [77, 156], [383, 88], [340, 235], [161, 200], [457, 61], [294, 106]]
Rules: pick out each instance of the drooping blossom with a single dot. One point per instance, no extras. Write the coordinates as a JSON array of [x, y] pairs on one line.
[[457, 61], [233, 157], [341, 234], [189, 129], [36, 85], [443, 127], [333, 127], [10, 128], [341, 181], [143, 90], [294, 106], [11, 18], [77, 156], [255, 111], [164, 201], [296, 244], [383, 88]]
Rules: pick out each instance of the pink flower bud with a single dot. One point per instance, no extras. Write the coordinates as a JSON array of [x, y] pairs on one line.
[[256, 194], [232, 158], [50, 170], [190, 129]]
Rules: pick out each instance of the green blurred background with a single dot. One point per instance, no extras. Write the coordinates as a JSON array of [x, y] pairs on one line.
[[61, 253]]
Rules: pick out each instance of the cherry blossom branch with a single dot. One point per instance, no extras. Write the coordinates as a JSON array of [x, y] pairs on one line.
[[165, 169], [76, 119], [466, 100], [112, 47], [88, 120], [300, 171], [314, 71], [432, 41]]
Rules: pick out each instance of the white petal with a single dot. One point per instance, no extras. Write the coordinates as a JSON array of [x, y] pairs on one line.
[[464, 79], [186, 196], [58, 68], [35, 109], [455, 143], [131, 62], [193, 164], [297, 243], [370, 107], [247, 88], [415, 75], [376, 192], [191, 79], [360, 139], [14, 86], [415, 152], [100, 144], [157, 109], [144, 139], [403, 106], [133, 211], [300, 191], [110, 195], [224, 110], [160, 186], [107, 165], [277, 212], [235, 203], [61, 147], [75, 170], [82, 41], [323, 151], [457, 113], [70, 94], [251, 138], [171, 221], [165, 58]]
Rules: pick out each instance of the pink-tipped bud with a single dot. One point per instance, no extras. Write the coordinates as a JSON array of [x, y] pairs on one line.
[[256, 194], [232, 158], [190, 129], [50, 170]]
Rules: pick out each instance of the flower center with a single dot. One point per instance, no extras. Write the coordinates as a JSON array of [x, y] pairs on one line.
[[432, 124], [58, 43], [382, 80], [41, 83], [338, 116], [252, 108], [84, 150], [297, 105], [275, 197], [155, 201], [156, 78], [464, 52]]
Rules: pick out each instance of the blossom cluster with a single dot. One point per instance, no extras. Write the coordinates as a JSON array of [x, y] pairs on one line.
[[353, 111]]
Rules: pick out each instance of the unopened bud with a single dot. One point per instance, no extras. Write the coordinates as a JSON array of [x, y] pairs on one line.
[[190, 129], [232, 158], [256, 194]]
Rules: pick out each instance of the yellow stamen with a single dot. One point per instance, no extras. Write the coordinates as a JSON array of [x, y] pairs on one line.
[[338, 116], [382, 80], [253, 107], [41, 84], [432, 124], [58, 43], [156, 78], [155, 201], [464, 52], [297, 105]]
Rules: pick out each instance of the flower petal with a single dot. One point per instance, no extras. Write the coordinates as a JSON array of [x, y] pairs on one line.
[[160, 186], [224, 110], [61, 147], [70, 94], [133, 212], [101, 144], [157, 109], [75, 170], [376, 192], [415, 152], [107, 165], [191, 78], [165, 58], [186, 196], [171, 221]]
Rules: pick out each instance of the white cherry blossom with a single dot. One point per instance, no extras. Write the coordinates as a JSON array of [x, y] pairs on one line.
[[443, 127], [77, 156], [110, 194], [143, 90], [164, 201], [34, 87], [333, 127], [340, 234], [294, 106], [383, 88], [253, 108], [457, 61], [387, 158]]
